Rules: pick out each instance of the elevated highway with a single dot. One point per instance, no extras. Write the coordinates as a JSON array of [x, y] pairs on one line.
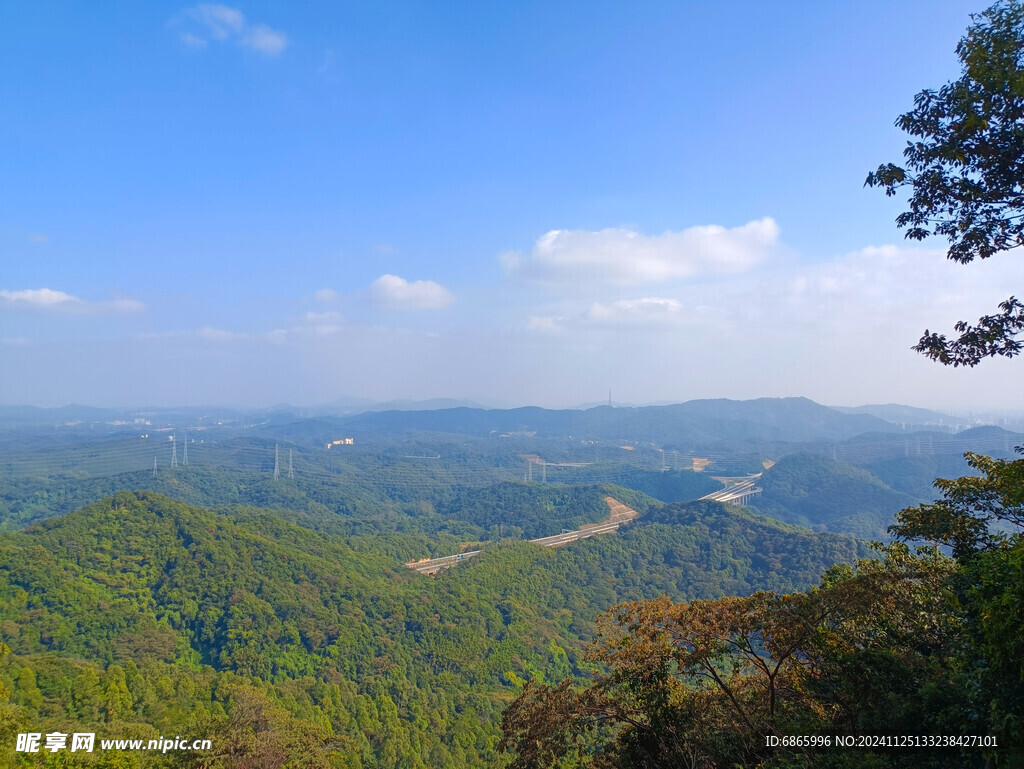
[[737, 490]]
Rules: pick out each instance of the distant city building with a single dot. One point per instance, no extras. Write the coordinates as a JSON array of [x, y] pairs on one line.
[[342, 442]]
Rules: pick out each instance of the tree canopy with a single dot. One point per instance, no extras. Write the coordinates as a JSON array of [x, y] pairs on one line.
[[965, 171]]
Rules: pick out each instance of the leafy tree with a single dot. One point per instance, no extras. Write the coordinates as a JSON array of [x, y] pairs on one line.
[[701, 684], [975, 513], [982, 520], [966, 173], [116, 697], [965, 169]]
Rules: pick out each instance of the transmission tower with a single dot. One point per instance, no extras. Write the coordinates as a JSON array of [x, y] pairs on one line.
[[174, 452], [277, 467], [154, 466], [184, 456], [291, 470]]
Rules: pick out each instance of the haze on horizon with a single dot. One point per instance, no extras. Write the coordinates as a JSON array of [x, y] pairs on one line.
[[254, 204]]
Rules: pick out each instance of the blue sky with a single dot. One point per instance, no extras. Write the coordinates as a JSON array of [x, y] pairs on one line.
[[527, 202]]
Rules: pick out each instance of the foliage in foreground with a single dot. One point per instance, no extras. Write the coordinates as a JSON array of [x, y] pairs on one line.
[[917, 643], [142, 616]]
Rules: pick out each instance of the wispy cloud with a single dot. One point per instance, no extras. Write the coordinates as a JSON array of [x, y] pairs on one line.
[[327, 64], [211, 22], [325, 295], [51, 300], [649, 309], [221, 21], [192, 41], [321, 323], [212, 334], [39, 237], [397, 293], [262, 38], [207, 334], [623, 257], [624, 316], [879, 297]]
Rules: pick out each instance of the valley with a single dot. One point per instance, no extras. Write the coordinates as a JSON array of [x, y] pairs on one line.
[[288, 588]]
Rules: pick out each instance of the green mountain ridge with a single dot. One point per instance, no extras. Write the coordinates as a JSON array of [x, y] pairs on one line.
[[135, 595], [691, 423], [825, 495]]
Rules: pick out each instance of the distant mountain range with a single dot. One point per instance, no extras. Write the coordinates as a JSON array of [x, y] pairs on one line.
[[899, 414], [798, 423], [701, 422]]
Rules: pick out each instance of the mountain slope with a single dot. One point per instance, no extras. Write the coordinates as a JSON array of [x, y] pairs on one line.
[[110, 610], [810, 490]]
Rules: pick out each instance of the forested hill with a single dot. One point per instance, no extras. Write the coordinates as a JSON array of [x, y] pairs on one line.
[[141, 615], [820, 493]]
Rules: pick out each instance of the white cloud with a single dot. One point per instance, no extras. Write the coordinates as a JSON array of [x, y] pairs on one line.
[[879, 297], [208, 333], [265, 40], [624, 257], [192, 41], [325, 295], [548, 324], [215, 22], [882, 287], [219, 334], [321, 323], [838, 330], [51, 300], [398, 293], [220, 20], [646, 310], [37, 297], [625, 315], [323, 317]]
